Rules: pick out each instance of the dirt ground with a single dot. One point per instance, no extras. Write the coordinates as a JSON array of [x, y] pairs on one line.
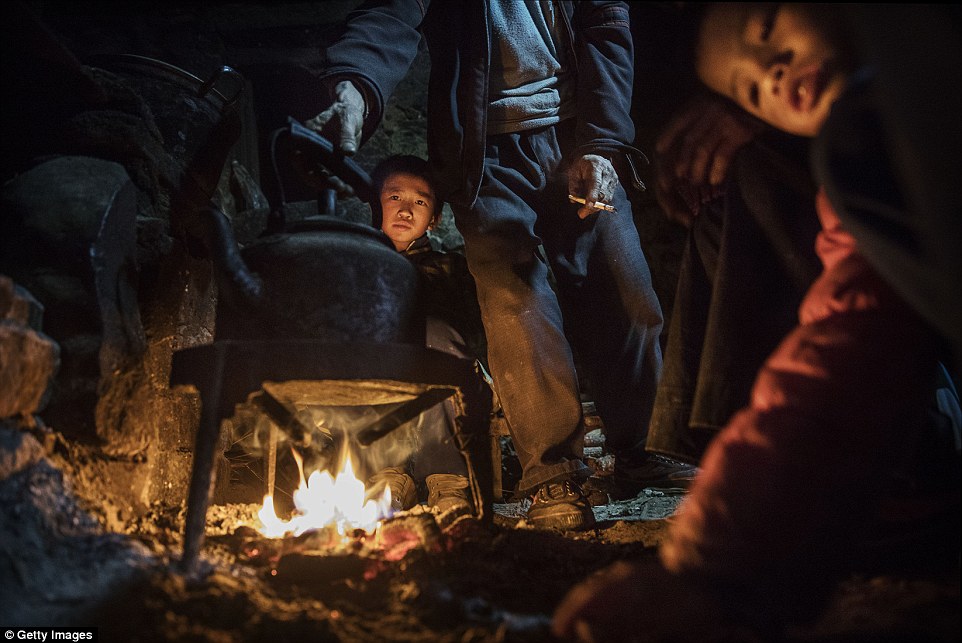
[[62, 565]]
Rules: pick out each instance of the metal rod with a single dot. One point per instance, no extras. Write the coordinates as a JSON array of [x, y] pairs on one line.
[[272, 457], [284, 418], [407, 411], [202, 475]]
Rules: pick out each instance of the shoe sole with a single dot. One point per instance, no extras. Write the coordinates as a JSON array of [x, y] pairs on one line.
[[568, 521], [445, 507]]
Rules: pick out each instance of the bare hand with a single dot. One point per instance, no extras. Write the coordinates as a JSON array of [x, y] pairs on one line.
[[695, 151], [594, 178], [345, 116]]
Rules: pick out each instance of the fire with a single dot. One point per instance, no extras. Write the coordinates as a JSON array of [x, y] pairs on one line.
[[323, 500]]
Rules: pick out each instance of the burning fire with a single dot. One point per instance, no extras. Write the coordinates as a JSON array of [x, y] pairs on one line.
[[323, 500]]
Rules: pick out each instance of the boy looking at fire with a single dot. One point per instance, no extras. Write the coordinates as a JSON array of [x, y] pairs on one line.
[[407, 208]]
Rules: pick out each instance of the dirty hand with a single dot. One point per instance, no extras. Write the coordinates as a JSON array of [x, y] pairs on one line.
[[345, 115], [694, 153], [594, 178], [636, 601]]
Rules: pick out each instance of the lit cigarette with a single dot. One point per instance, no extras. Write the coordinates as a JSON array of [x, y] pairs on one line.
[[596, 204]]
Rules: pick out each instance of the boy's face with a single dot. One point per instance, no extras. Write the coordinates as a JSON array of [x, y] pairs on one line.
[[779, 62], [407, 207]]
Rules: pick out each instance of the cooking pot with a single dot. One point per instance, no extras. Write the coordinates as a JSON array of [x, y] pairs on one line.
[[197, 119]]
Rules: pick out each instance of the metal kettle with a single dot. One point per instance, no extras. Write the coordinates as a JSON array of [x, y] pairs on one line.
[[323, 277]]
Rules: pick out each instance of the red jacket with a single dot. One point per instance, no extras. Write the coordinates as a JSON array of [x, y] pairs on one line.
[[788, 480]]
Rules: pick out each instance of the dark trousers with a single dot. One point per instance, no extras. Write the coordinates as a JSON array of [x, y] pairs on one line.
[[600, 306], [748, 260], [436, 450]]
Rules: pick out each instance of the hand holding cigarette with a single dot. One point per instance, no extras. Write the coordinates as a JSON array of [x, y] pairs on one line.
[[595, 204], [593, 176]]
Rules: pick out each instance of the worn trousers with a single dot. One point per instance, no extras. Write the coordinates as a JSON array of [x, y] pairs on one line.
[[555, 290], [747, 262]]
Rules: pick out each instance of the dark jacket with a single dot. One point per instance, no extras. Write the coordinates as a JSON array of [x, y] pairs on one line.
[[448, 292], [888, 156], [381, 40]]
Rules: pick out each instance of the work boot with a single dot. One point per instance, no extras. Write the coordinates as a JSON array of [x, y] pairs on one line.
[[447, 492], [634, 473], [560, 505], [404, 494]]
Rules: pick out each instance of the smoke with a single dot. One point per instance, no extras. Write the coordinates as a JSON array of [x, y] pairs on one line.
[[333, 436]]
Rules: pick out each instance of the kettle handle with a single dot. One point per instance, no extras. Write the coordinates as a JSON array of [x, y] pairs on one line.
[[215, 78], [320, 152], [340, 165]]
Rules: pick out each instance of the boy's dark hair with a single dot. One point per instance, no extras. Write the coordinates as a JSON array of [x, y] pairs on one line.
[[406, 164]]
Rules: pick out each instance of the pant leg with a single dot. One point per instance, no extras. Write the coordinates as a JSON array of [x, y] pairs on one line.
[[748, 260], [437, 451], [669, 430], [529, 356], [612, 314]]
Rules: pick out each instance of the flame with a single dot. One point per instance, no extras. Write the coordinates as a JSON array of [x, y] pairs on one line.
[[323, 500]]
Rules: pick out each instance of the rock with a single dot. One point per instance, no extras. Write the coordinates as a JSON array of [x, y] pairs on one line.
[[18, 450], [28, 358], [593, 437], [69, 237], [19, 305]]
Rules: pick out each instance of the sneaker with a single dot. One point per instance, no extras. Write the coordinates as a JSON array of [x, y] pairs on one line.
[[632, 474], [560, 505], [449, 492], [404, 493]]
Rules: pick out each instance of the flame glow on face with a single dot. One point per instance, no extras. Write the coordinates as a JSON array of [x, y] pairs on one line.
[[407, 208], [785, 63], [323, 500]]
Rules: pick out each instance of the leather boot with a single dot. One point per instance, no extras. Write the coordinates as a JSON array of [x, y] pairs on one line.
[[404, 493], [449, 491]]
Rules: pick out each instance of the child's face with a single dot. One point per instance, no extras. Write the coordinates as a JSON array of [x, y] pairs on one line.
[[407, 206], [779, 62]]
